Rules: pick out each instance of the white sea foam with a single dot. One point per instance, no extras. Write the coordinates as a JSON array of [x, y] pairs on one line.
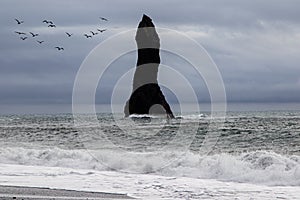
[[141, 186], [146, 116], [193, 116], [261, 167], [187, 116]]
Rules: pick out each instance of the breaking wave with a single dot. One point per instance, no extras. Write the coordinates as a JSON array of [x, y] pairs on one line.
[[262, 167]]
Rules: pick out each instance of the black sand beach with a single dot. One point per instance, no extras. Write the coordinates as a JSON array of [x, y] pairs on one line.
[[34, 193]]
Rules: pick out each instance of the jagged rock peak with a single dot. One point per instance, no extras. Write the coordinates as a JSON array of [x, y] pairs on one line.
[[146, 22]]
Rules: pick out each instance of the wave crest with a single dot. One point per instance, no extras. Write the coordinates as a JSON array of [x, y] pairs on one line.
[[262, 167]]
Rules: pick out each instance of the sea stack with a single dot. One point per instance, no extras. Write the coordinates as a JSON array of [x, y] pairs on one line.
[[146, 96]]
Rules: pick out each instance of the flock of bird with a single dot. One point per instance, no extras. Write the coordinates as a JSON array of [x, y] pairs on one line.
[[50, 24]]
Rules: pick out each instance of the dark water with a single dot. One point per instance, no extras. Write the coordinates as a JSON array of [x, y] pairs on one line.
[[240, 132]]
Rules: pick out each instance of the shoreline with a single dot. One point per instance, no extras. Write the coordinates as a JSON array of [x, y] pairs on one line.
[[45, 193]]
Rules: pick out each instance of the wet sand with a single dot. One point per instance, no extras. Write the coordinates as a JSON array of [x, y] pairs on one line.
[[35, 193]]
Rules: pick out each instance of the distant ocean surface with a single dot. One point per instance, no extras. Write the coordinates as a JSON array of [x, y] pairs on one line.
[[256, 155]]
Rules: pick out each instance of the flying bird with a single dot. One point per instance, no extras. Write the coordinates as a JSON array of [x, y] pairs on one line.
[[101, 30], [19, 21], [47, 22], [93, 33], [59, 48], [87, 36], [20, 33], [34, 34], [104, 19], [52, 25], [23, 38], [69, 34], [40, 41]]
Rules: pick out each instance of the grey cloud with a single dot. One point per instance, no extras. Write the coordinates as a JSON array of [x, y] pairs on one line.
[[255, 44]]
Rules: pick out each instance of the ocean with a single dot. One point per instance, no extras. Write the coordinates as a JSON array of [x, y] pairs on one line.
[[252, 154]]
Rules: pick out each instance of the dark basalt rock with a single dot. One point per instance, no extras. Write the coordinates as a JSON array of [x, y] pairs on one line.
[[146, 93]]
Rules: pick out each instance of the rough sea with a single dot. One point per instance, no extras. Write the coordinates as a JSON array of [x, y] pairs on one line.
[[252, 154]]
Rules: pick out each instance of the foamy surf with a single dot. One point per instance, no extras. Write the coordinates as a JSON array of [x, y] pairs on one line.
[[256, 155], [144, 186], [259, 167], [141, 116], [187, 116]]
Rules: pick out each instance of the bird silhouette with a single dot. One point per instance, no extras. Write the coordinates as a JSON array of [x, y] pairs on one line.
[[19, 21], [40, 41], [23, 38], [104, 19], [69, 34], [20, 33], [87, 36], [52, 25], [101, 30], [34, 34], [59, 48], [47, 22], [93, 33]]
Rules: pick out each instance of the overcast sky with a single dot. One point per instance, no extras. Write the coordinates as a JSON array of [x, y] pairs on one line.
[[255, 44]]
